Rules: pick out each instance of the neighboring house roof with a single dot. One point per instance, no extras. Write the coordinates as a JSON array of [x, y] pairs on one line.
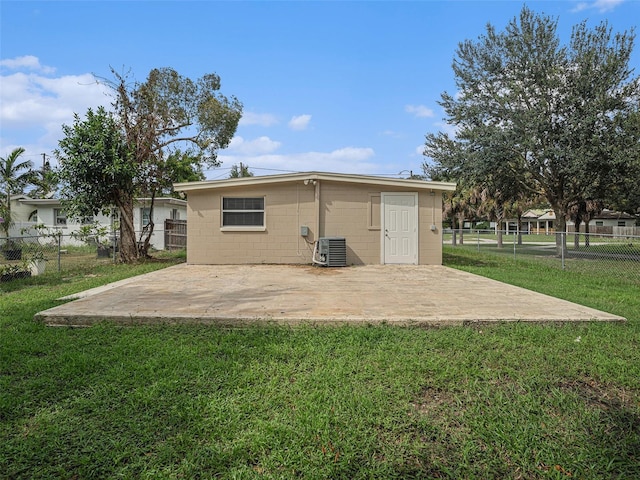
[[17, 197], [548, 215], [163, 201], [544, 214], [313, 176], [611, 215], [40, 201], [539, 214], [55, 202]]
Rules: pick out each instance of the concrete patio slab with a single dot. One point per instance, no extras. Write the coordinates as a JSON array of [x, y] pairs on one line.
[[234, 295]]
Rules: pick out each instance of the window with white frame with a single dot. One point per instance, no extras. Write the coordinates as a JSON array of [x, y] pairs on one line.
[[145, 217], [243, 212], [59, 217], [622, 223]]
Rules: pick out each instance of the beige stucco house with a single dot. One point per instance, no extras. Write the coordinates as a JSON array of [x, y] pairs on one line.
[[281, 218]]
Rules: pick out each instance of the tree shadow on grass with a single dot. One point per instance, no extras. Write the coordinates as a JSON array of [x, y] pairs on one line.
[[456, 260]]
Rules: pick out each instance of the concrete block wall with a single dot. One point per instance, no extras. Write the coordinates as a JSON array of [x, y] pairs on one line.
[[287, 207], [430, 241], [346, 210]]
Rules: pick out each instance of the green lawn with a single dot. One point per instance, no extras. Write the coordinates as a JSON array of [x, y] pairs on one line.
[[484, 401]]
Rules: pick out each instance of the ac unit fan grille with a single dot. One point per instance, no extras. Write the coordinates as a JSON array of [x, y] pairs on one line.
[[334, 249]]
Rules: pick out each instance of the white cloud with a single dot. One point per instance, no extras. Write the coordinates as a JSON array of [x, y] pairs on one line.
[[33, 107], [299, 122], [28, 62], [602, 6], [258, 146], [419, 110], [262, 119], [392, 134], [342, 160], [420, 150], [28, 99]]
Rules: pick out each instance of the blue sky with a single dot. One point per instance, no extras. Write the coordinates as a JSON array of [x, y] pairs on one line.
[[332, 86]]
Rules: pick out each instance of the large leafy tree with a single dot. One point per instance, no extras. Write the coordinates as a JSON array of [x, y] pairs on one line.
[[97, 171], [155, 117], [549, 119], [182, 167], [15, 175], [624, 195]]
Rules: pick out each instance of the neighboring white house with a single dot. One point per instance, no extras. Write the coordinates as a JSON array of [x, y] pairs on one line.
[[27, 212], [609, 218], [541, 221]]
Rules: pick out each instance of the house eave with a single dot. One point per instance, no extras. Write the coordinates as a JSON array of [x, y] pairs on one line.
[[163, 201], [314, 176], [40, 201], [57, 202]]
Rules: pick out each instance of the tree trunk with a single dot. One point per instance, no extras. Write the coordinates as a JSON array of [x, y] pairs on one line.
[[7, 220], [461, 229], [519, 229], [453, 230], [586, 234], [576, 237], [128, 244], [146, 238], [147, 231], [499, 232], [561, 238]]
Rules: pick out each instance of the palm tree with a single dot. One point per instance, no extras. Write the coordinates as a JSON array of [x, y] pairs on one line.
[[15, 175]]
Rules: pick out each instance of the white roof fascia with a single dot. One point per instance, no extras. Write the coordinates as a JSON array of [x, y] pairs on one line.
[[56, 201], [333, 177], [41, 201], [163, 200]]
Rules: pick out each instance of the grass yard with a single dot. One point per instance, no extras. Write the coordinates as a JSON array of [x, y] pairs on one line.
[[484, 401]]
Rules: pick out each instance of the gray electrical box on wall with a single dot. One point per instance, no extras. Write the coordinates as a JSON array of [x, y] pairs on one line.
[[304, 231]]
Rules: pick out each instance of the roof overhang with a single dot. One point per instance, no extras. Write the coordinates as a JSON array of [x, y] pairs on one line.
[[314, 176], [54, 202], [163, 201], [40, 201]]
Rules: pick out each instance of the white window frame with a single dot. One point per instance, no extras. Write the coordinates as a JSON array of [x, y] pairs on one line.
[[59, 218], [243, 228], [142, 210]]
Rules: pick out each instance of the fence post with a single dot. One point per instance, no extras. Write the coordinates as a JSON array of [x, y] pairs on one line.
[[59, 251]]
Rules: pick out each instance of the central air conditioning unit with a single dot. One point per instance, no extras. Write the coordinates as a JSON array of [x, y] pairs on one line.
[[332, 251]]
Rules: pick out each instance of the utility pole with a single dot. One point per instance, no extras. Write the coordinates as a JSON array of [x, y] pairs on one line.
[[45, 164]]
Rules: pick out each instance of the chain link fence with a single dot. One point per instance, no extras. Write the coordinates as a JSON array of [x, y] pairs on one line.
[[50, 254], [581, 252]]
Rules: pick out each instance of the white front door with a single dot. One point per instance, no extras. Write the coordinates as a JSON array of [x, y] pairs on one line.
[[399, 228]]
